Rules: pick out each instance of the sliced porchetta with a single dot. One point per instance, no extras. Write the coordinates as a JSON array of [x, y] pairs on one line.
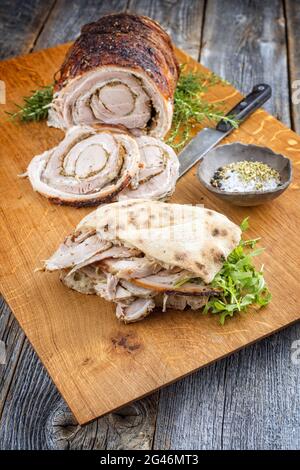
[[157, 178], [143, 254], [90, 166], [180, 302], [76, 249], [95, 165], [121, 70], [135, 311]]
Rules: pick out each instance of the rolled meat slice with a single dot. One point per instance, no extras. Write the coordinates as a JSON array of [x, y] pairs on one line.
[[89, 167], [160, 171], [95, 165], [121, 70]]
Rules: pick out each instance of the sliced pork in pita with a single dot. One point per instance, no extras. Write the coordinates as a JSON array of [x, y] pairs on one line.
[[121, 70], [143, 254]]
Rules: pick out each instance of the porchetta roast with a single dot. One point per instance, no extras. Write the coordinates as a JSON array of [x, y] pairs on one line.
[[95, 165], [144, 254], [121, 70]]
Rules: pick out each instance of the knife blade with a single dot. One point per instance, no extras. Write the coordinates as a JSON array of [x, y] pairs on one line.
[[207, 138]]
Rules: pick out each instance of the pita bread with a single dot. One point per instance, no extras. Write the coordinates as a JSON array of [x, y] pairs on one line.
[[190, 237]]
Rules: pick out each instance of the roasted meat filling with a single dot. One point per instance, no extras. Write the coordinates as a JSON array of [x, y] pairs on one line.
[[143, 254], [125, 276]]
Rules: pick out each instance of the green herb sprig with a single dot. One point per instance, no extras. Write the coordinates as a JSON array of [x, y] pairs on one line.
[[242, 285], [190, 108], [35, 107]]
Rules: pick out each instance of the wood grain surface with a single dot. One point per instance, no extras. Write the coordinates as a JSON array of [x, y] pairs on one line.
[[213, 409], [97, 363]]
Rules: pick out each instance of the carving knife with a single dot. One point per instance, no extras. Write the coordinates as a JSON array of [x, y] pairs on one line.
[[207, 138]]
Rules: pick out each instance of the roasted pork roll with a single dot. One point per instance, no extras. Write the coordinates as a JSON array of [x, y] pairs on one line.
[[95, 165], [141, 254], [121, 70], [88, 167]]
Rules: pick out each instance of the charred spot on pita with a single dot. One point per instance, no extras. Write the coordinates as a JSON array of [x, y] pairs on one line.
[[217, 256], [200, 266], [180, 256], [219, 232]]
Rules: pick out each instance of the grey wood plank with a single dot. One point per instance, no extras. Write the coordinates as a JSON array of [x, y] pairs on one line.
[[292, 11], [245, 44], [35, 416], [190, 412], [133, 426], [20, 23], [250, 400], [181, 19], [13, 339], [67, 18], [23, 421], [263, 396]]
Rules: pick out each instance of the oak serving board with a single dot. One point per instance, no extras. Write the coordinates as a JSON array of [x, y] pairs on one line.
[[97, 363]]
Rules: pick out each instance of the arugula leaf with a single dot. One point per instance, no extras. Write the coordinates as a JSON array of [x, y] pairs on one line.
[[245, 224], [182, 281], [241, 284]]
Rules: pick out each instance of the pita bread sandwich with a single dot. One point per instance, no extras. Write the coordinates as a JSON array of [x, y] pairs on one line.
[[143, 254]]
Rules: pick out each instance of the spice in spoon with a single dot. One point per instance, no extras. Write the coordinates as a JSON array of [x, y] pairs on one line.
[[246, 176]]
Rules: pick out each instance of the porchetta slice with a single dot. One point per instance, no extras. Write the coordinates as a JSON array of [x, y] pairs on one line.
[[90, 166], [168, 284], [95, 165], [158, 176], [76, 249], [180, 302], [115, 272], [135, 311]]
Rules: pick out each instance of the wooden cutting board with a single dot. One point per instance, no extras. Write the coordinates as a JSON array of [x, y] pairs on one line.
[[97, 363]]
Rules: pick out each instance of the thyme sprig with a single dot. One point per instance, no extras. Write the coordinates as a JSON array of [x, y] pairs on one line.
[[35, 106], [191, 108]]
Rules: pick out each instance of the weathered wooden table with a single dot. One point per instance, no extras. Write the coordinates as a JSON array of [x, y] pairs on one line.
[[250, 400]]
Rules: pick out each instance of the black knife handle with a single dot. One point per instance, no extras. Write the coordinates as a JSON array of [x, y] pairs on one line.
[[258, 96]]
